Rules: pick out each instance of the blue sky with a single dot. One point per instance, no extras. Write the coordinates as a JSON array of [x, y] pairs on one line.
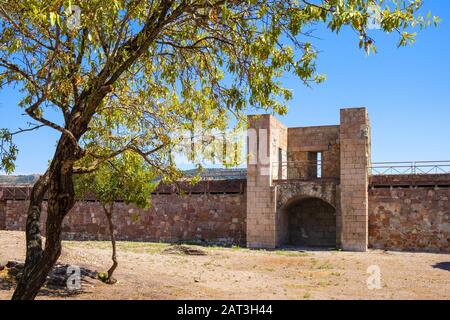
[[406, 91]]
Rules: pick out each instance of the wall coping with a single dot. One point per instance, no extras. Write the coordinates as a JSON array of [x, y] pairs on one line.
[[409, 180], [231, 186]]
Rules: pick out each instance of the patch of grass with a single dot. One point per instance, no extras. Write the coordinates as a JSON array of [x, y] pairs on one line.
[[325, 266], [87, 244], [122, 245], [324, 283], [233, 247], [148, 247], [307, 295], [131, 246], [287, 253], [297, 286]]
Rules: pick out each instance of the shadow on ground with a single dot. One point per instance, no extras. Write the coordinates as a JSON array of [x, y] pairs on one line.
[[58, 280], [442, 265]]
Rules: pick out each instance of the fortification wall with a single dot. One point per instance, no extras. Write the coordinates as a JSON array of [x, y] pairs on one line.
[[405, 213], [2, 214], [410, 213], [213, 212]]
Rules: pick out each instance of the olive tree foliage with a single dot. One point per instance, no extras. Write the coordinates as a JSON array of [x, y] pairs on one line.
[[128, 74], [126, 178]]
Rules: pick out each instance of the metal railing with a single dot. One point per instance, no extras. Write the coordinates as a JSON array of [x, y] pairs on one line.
[[313, 169], [416, 167]]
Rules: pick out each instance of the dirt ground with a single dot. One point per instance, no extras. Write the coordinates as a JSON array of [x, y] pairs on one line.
[[149, 271]]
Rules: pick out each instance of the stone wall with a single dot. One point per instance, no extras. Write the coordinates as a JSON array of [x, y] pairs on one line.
[[400, 218], [208, 217], [253, 211], [268, 140], [355, 160], [410, 219], [2, 215], [304, 144]]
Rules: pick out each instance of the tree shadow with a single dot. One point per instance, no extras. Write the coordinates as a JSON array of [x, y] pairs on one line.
[[59, 280], [442, 265]]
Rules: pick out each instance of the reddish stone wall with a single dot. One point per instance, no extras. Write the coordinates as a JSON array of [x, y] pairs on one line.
[[410, 219], [215, 218], [2, 215]]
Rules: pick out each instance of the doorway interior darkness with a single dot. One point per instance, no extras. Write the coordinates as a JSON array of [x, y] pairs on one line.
[[309, 222]]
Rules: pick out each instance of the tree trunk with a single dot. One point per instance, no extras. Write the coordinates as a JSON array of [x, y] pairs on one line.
[[61, 198], [108, 213], [33, 231]]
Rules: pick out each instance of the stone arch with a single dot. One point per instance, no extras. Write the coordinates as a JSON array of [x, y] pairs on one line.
[[307, 214], [308, 221]]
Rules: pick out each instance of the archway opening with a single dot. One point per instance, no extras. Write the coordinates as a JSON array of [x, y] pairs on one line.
[[308, 222]]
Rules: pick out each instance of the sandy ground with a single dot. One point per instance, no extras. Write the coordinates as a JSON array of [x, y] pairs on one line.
[[147, 271]]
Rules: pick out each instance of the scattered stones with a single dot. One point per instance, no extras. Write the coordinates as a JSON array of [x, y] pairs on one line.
[[57, 277], [186, 250]]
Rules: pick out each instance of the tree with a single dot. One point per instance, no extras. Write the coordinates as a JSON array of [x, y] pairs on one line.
[[127, 178], [131, 72]]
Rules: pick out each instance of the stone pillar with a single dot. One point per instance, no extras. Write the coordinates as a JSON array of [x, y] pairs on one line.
[[355, 161], [266, 141]]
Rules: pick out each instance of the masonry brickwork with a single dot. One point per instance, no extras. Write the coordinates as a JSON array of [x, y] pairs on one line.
[[305, 143], [403, 219], [355, 155], [211, 217], [2, 215], [303, 186], [267, 141], [411, 219]]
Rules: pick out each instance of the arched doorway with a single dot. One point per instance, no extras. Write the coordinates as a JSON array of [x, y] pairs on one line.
[[308, 222]]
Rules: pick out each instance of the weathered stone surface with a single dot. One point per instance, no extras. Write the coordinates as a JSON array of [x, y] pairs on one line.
[[274, 205], [355, 160], [2, 215], [212, 218], [269, 145], [289, 191], [410, 180], [304, 144], [413, 219]]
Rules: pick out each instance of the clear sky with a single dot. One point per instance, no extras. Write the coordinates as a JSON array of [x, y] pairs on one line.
[[406, 91]]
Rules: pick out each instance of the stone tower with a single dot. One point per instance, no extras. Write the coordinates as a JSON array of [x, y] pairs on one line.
[[308, 186]]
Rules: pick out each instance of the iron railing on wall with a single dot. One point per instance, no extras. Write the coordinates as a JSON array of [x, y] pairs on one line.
[[313, 169], [415, 167]]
